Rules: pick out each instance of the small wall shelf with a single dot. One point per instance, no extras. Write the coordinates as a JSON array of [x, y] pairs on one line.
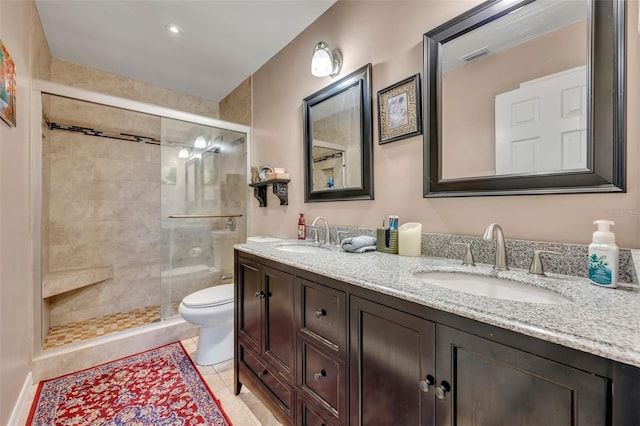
[[280, 188]]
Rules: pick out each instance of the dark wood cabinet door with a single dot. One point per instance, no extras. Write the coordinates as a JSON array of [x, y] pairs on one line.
[[487, 383], [249, 297], [391, 352], [279, 320]]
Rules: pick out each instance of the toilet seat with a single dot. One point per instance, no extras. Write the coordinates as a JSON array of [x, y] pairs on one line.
[[211, 296]]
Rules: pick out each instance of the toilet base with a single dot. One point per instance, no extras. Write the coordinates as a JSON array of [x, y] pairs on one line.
[[212, 349]]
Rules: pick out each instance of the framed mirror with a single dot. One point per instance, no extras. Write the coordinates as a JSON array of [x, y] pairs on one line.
[[338, 140], [526, 97]]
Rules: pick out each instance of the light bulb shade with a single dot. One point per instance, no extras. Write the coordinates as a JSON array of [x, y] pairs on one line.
[[183, 153], [200, 142], [325, 62]]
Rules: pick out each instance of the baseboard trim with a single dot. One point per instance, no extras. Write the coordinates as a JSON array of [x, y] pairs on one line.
[[22, 399]]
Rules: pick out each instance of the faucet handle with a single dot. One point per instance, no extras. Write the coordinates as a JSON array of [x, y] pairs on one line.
[[339, 235], [468, 255], [536, 267]]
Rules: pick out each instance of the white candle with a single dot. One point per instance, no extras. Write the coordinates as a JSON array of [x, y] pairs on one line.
[[409, 239]]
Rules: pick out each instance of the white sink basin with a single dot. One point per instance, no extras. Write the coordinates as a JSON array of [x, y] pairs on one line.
[[496, 288], [298, 248]]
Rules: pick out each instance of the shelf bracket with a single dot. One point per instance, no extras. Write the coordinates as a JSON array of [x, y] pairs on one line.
[[260, 193], [282, 192], [280, 189]]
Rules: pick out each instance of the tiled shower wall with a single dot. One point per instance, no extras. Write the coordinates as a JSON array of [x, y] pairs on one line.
[[105, 195], [103, 209], [76, 75]]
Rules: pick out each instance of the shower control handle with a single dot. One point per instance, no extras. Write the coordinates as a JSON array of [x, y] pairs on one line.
[[260, 294]]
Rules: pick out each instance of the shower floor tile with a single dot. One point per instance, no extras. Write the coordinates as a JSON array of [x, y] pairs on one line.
[[83, 330]]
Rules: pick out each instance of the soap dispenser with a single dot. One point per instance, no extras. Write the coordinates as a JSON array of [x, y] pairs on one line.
[[603, 256]]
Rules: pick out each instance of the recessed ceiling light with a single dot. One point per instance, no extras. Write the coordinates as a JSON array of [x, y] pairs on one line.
[[173, 28]]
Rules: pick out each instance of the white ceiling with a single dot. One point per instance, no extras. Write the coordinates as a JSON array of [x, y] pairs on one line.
[[223, 43], [519, 26]]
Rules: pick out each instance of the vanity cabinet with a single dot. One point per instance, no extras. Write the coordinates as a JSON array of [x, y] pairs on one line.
[[321, 322], [265, 333], [318, 351], [481, 382], [392, 352]]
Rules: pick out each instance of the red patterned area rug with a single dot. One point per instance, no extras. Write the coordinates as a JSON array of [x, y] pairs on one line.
[[160, 387]]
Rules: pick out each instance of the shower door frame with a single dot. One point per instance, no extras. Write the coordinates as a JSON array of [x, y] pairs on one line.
[[40, 87]]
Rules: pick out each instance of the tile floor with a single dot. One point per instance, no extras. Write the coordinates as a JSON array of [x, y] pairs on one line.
[[60, 335], [243, 410]]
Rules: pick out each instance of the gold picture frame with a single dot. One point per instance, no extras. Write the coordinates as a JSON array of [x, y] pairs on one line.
[[400, 110]]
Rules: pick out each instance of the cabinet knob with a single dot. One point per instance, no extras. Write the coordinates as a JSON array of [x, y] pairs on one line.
[[260, 294], [262, 373], [442, 390], [426, 384], [321, 313], [319, 375]]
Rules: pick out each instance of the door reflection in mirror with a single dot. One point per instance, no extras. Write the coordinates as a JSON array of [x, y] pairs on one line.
[[514, 94]]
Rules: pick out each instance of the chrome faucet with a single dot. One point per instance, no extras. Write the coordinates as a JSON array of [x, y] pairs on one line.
[[327, 236], [494, 233]]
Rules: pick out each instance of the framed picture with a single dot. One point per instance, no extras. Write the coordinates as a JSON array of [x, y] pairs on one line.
[[7, 87], [399, 110]]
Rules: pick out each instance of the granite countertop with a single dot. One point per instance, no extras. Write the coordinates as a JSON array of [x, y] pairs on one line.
[[600, 321]]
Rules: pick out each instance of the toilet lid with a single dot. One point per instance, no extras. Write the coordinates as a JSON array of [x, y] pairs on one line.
[[211, 296]]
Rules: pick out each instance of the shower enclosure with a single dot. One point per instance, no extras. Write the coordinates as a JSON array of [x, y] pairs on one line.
[[139, 206], [203, 207]]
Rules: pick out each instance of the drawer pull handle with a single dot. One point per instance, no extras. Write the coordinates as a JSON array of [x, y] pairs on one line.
[[321, 313], [426, 384], [260, 294], [262, 374], [319, 375], [442, 390]]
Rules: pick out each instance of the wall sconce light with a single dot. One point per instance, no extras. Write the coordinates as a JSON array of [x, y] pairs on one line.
[[183, 153], [325, 62], [200, 142]]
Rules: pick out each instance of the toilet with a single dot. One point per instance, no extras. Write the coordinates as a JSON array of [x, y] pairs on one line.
[[211, 309]]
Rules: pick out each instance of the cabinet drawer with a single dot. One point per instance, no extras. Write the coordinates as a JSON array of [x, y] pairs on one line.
[[283, 394], [323, 314], [311, 416], [322, 377]]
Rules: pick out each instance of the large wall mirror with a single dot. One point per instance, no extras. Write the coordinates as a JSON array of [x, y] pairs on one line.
[[526, 97], [338, 140]]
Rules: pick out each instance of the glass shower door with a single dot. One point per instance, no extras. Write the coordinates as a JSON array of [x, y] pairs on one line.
[[203, 207]]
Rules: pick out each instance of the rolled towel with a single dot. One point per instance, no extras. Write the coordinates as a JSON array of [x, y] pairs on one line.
[[355, 243]]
